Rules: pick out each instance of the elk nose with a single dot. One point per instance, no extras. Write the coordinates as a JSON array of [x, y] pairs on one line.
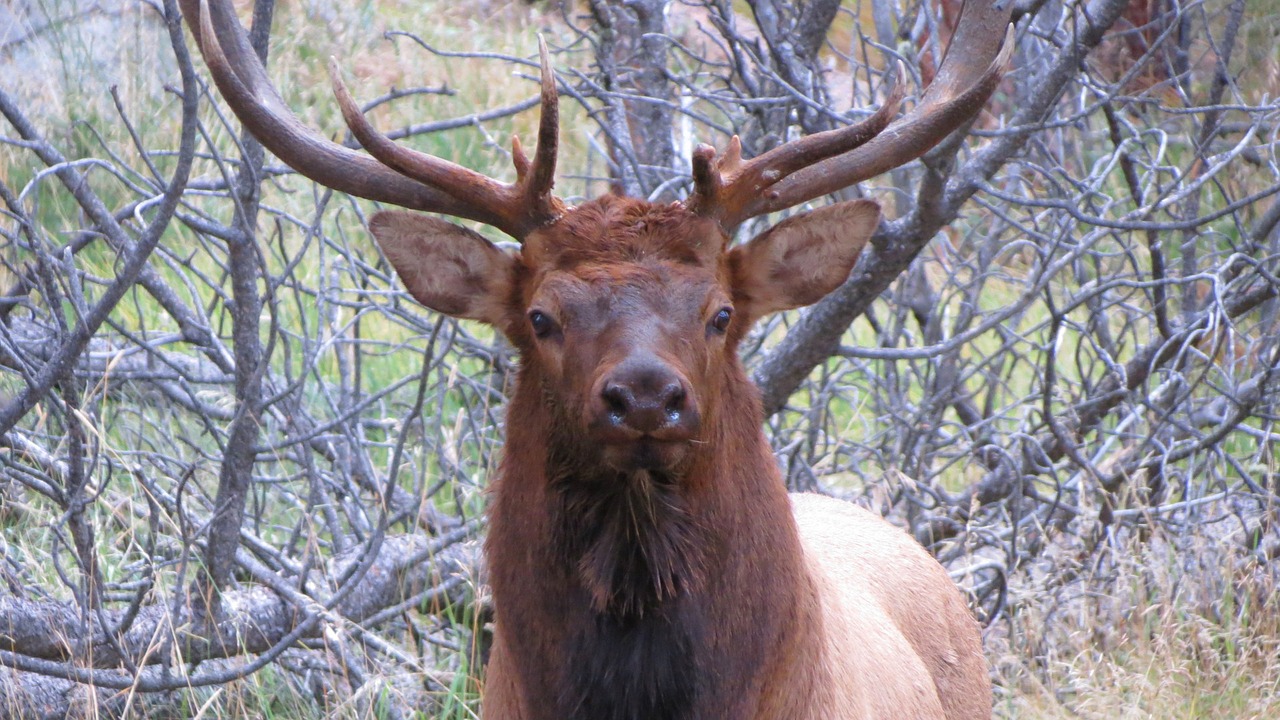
[[647, 397]]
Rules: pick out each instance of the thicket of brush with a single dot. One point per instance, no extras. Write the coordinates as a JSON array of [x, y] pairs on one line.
[[1057, 367]]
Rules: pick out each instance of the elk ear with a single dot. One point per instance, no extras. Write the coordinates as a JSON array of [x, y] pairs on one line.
[[801, 259], [446, 267]]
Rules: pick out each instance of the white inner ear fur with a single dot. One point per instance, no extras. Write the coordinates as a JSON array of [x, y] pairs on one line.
[[446, 267], [801, 259]]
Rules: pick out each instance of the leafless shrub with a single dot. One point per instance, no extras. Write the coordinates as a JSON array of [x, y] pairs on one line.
[[231, 442]]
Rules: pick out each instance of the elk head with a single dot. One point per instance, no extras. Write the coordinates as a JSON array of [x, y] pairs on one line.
[[626, 313]]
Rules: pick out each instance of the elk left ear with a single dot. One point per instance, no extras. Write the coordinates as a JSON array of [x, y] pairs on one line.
[[801, 259]]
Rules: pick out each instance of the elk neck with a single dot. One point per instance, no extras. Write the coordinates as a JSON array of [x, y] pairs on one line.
[[640, 595]]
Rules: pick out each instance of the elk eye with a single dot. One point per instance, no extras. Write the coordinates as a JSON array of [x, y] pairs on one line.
[[720, 321], [542, 324]]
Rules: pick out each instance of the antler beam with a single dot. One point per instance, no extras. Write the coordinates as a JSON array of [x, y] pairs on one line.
[[810, 167], [433, 185], [725, 187]]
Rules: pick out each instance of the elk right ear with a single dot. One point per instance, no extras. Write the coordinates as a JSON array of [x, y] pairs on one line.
[[446, 267]]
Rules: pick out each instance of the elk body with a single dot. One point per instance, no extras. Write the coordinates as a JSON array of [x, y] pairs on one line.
[[645, 559]]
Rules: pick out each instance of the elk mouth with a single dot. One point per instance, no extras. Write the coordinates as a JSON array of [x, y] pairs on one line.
[[645, 452]]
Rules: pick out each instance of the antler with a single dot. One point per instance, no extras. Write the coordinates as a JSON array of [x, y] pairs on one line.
[[394, 174], [731, 191], [725, 187]]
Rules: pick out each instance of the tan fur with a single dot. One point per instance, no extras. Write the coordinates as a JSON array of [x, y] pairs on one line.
[[900, 640]]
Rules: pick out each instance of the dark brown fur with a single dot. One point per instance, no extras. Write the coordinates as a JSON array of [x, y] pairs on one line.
[[639, 596], [724, 618]]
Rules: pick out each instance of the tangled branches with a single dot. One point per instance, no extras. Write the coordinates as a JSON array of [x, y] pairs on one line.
[[231, 441]]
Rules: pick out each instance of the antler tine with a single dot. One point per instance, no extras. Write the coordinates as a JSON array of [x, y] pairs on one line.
[[468, 186], [393, 175], [728, 187], [518, 208], [544, 160], [972, 68], [827, 162], [536, 185]]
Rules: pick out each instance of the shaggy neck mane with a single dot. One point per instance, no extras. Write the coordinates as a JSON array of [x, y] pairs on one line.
[[629, 538], [631, 541], [625, 588]]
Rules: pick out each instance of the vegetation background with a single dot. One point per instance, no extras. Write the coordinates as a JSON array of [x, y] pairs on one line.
[[1056, 368]]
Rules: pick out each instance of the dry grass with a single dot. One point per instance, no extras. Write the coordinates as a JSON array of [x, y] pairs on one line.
[[1148, 633]]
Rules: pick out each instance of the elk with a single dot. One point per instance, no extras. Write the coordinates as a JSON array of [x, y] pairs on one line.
[[645, 559]]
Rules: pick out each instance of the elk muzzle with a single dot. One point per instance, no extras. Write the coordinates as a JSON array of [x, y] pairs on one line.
[[645, 413]]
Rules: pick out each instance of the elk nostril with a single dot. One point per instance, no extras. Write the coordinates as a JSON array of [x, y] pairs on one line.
[[615, 398], [675, 401]]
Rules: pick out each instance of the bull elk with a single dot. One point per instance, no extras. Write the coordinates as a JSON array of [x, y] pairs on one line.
[[646, 561]]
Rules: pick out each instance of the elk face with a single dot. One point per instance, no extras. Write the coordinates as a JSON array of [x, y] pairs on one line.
[[628, 313]]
